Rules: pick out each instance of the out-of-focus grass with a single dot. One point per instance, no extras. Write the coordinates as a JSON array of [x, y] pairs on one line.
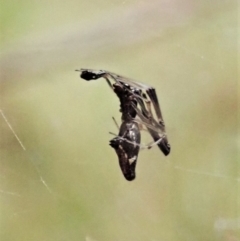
[[67, 184]]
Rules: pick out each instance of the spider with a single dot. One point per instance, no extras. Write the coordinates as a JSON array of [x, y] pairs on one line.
[[131, 95]]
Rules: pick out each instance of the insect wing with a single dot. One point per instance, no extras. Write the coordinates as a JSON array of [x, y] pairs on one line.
[[163, 144]]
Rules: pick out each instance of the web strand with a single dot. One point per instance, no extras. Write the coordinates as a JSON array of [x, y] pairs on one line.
[[12, 130]]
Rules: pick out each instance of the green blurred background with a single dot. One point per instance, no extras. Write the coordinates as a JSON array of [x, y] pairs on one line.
[[66, 184]]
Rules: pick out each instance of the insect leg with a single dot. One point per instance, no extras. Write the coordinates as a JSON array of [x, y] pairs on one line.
[[108, 82], [151, 144], [145, 146], [114, 120]]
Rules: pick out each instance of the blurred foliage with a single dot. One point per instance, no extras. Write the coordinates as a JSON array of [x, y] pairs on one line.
[[67, 184]]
